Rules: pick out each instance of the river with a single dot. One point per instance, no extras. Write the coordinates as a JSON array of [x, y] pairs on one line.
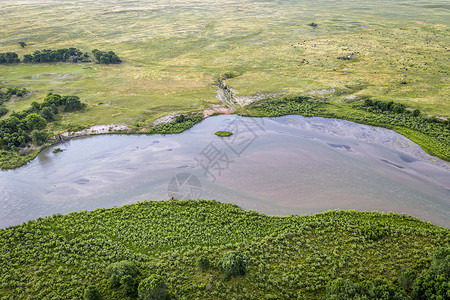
[[279, 166]]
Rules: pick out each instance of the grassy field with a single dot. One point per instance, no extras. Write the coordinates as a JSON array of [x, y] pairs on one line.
[[173, 52], [287, 257]]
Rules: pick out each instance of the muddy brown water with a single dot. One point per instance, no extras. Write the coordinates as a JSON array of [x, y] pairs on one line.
[[279, 166]]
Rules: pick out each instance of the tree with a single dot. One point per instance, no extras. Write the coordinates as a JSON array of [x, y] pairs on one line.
[[92, 293], [39, 137], [440, 261], [35, 122], [153, 288], [341, 289], [117, 270], [431, 286], [47, 113], [72, 103], [22, 44], [129, 286], [233, 264], [203, 263]]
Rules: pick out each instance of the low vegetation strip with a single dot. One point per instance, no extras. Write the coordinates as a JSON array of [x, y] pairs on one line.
[[209, 250]]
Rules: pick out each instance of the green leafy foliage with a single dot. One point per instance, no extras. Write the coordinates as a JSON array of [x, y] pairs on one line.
[[118, 270], [130, 286], [431, 286], [440, 261], [233, 264], [181, 123], [286, 256], [9, 58], [203, 263], [104, 57], [377, 289], [92, 293], [59, 55], [153, 288], [21, 128], [406, 280], [286, 106]]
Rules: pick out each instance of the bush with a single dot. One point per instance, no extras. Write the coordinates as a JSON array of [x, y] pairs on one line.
[[129, 286], [117, 270], [233, 264], [35, 122], [431, 286], [203, 263], [91, 293], [406, 280], [440, 261], [344, 289], [39, 137], [153, 288]]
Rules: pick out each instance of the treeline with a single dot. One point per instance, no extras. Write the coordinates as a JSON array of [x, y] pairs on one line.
[[9, 58], [72, 55], [6, 94], [60, 55], [21, 128]]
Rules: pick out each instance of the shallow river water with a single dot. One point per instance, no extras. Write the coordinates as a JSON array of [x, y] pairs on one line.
[[279, 166]]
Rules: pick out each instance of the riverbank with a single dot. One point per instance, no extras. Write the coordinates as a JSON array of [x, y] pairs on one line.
[[286, 257], [315, 107]]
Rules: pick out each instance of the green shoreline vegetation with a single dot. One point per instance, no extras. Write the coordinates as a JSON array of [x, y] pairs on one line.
[[209, 250], [430, 133]]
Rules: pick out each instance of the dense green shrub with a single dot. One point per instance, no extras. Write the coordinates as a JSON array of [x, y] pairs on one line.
[[440, 261], [103, 57], [9, 58], [153, 288], [59, 55], [91, 293], [287, 257], [345, 289], [233, 264], [406, 280], [116, 271], [39, 137], [181, 123], [431, 286], [130, 286], [203, 263]]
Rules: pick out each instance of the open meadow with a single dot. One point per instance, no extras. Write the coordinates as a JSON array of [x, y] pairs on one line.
[[173, 51]]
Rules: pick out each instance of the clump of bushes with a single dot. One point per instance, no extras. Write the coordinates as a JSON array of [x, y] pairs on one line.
[[59, 55], [233, 264], [103, 57], [92, 293], [153, 288], [203, 263], [116, 271], [9, 58], [181, 123]]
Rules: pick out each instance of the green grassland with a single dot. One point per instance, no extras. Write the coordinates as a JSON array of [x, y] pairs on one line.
[[287, 257], [173, 52]]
